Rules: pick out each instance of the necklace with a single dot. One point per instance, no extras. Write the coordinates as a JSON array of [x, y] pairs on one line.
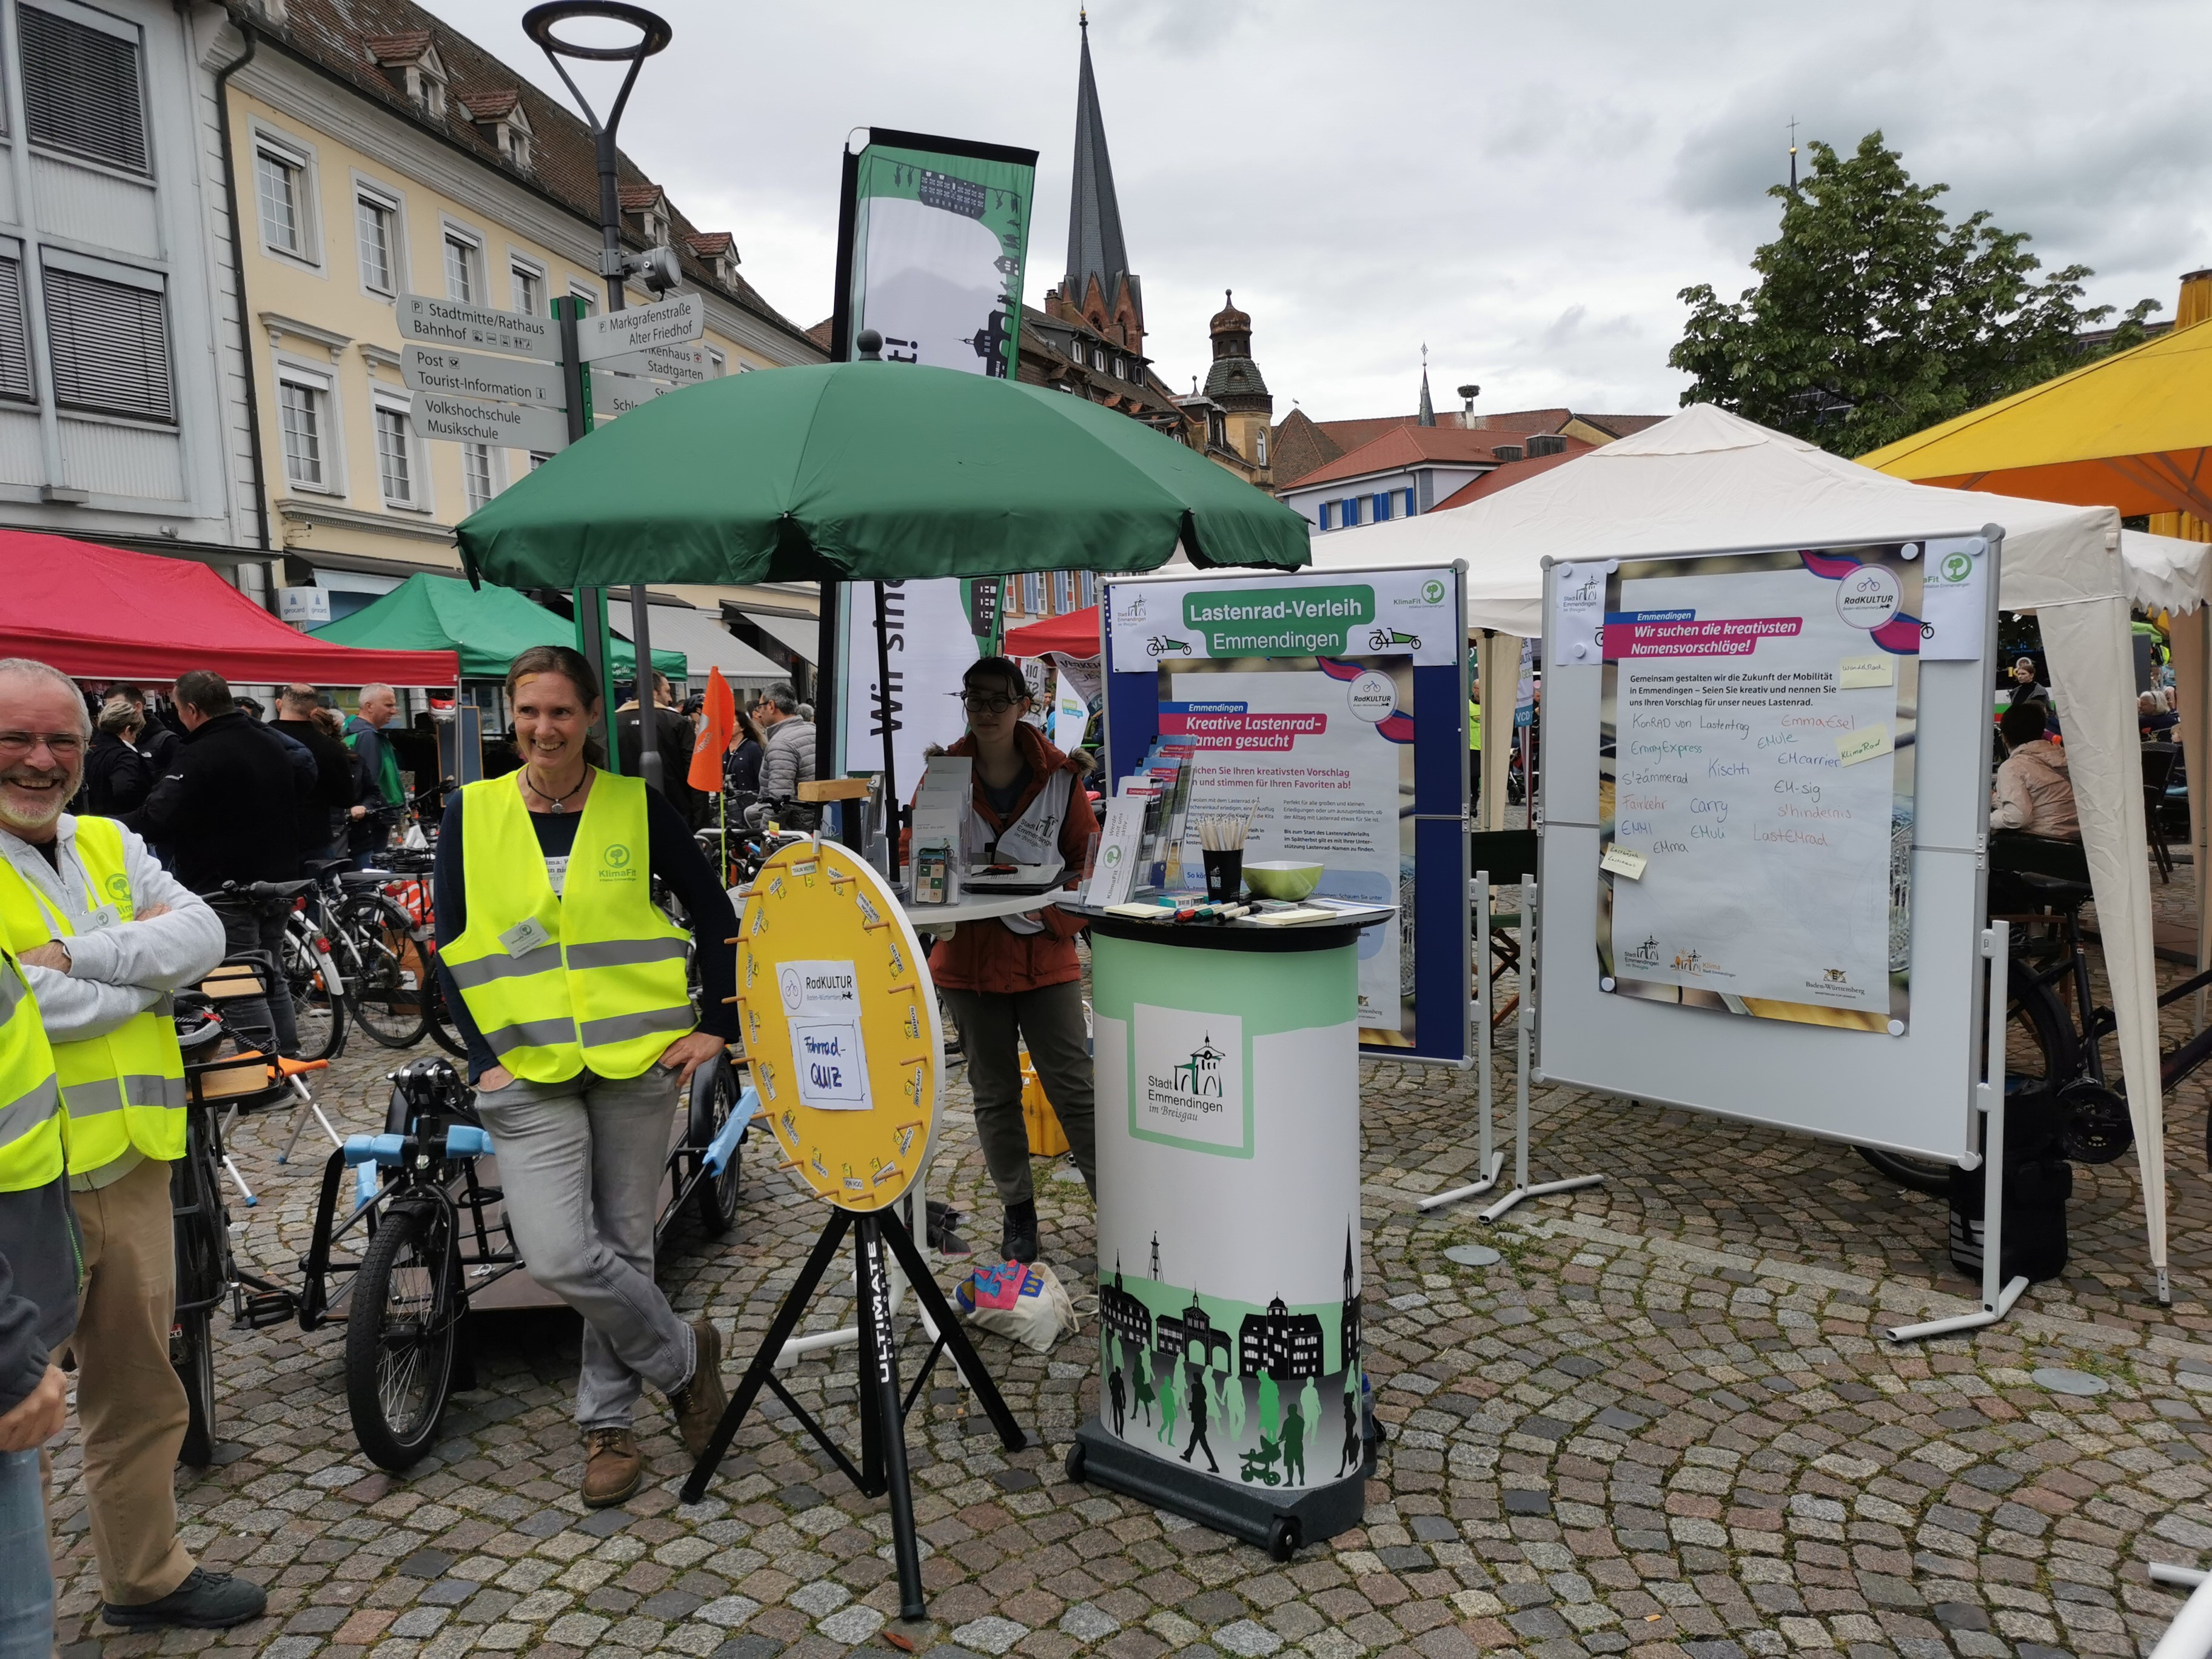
[[556, 801]]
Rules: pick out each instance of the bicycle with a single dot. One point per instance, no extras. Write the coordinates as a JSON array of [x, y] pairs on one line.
[[433, 1237], [2039, 886]]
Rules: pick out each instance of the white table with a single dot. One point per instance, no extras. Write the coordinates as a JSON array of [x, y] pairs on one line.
[[944, 918]]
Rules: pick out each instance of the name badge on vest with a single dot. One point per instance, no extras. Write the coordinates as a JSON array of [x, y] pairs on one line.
[[106, 916], [525, 936]]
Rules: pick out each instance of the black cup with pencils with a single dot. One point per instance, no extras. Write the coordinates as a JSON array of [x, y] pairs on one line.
[[1221, 845]]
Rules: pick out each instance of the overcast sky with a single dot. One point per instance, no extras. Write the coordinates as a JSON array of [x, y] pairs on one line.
[[1523, 187]]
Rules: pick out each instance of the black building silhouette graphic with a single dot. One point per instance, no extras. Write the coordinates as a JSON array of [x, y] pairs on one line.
[[1348, 1354], [1123, 1314], [1279, 1344], [1193, 1337]]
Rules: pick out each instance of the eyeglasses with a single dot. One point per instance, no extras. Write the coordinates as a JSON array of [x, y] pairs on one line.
[[63, 745], [976, 703]]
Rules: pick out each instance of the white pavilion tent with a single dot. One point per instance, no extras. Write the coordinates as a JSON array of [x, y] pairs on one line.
[[1709, 480]]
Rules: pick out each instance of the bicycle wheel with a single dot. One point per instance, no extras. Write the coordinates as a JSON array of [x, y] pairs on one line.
[[317, 1006], [2041, 1046], [714, 1203], [385, 995], [400, 1335], [443, 1031], [203, 1275]]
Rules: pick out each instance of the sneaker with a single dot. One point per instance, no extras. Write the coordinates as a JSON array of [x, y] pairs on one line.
[[1018, 1243], [205, 1600], [698, 1404], [612, 1467]]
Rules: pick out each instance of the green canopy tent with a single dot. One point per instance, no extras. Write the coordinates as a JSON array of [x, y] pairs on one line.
[[486, 627], [870, 471]]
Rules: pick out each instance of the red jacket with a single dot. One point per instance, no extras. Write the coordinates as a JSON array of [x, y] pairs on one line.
[[988, 956]]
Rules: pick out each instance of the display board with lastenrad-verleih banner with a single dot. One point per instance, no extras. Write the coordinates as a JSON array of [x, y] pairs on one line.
[[842, 1037], [1766, 801], [1329, 712]]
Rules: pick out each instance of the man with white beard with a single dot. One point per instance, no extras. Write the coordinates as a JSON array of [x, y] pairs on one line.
[[105, 934]]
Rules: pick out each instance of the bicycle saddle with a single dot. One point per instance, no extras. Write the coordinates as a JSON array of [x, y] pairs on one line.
[[276, 889], [315, 869], [363, 877]]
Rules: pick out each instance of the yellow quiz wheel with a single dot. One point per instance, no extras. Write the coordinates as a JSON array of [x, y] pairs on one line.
[[840, 1022]]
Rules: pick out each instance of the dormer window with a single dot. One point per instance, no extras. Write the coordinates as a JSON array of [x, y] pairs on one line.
[[718, 250], [499, 117], [410, 63], [646, 207]]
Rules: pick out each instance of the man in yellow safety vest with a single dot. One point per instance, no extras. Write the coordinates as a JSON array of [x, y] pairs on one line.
[[105, 934]]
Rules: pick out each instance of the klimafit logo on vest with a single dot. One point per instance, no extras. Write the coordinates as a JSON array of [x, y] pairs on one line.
[[616, 865], [118, 886]]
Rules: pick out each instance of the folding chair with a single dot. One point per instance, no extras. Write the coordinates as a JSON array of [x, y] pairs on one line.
[[1509, 856]]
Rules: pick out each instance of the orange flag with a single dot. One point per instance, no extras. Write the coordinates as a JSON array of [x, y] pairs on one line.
[[715, 737]]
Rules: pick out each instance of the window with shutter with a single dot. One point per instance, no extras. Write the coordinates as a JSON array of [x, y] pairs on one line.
[[82, 91], [1327, 515], [14, 332], [462, 282], [529, 290], [110, 344]]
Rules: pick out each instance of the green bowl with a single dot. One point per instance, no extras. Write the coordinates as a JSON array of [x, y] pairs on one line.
[[1282, 878]]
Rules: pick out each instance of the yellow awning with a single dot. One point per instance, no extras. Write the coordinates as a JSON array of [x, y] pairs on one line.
[[2129, 431]]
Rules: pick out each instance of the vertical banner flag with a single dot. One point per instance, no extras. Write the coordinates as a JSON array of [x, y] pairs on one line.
[[932, 237]]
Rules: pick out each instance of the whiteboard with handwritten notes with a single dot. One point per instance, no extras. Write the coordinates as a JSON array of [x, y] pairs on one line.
[[1765, 787]]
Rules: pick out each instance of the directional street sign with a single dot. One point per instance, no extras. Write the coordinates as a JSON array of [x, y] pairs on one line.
[[474, 421], [450, 323], [617, 394], [686, 365], [472, 374], [672, 321]]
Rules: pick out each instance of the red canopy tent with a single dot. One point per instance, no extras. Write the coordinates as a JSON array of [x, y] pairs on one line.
[[1075, 634], [99, 613]]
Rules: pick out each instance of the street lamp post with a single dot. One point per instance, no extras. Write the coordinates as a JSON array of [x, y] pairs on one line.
[[656, 266]]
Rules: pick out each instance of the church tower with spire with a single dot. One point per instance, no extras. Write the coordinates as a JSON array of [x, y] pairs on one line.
[[1099, 287], [1234, 385]]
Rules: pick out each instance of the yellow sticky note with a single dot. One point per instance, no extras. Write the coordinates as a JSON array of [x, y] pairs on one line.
[[1866, 743], [1863, 673], [1621, 862]]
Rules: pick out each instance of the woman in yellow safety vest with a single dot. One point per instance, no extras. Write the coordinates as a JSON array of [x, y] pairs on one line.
[[569, 986]]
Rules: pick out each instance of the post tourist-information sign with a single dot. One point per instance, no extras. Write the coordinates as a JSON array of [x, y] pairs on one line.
[[475, 374]]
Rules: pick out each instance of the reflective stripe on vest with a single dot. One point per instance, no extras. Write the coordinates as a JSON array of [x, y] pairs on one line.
[[1032, 838], [125, 1090], [31, 1132], [607, 990]]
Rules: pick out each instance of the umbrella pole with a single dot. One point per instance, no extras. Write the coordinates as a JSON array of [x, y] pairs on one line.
[[649, 707], [883, 715]]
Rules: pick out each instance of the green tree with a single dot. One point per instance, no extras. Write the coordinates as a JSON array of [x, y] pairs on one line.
[[1876, 316]]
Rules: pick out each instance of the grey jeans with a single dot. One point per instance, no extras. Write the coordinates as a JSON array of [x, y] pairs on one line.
[[991, 1022], [581, 1162]]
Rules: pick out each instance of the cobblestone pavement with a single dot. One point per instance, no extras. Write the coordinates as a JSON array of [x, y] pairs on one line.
[[1665, 1423]]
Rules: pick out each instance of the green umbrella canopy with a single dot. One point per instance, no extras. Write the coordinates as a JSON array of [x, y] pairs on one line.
[[870, 471], [488, 627]]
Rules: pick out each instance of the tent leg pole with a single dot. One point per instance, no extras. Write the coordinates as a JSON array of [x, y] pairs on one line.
[[648, 707], [1997, 1295], [1486, 1160], [883, 718], [1523, 1025]]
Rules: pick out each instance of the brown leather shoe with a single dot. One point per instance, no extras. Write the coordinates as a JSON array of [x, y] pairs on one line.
[[612, 1467], [698, 1404]]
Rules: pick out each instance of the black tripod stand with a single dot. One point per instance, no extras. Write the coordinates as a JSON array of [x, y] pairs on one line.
[[883, 1412]]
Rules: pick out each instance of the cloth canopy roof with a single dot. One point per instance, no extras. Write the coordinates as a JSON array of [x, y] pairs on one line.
[[1075, 634], [101, 613], [2130, 431], [486, 628], [703, 640], [1706, 480]]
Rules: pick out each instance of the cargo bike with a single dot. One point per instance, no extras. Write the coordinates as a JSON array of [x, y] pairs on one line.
[[409, 1234]]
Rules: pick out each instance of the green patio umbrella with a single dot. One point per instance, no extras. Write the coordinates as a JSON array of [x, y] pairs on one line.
[[870, 471], [486, 627]]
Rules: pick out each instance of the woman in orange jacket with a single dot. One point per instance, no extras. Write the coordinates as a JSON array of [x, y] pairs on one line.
[[1017, 979]]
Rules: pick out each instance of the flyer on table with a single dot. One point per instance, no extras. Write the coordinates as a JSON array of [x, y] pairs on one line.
[[1757, 756]]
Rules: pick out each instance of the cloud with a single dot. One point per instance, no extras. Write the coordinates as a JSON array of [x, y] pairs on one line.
[[1526, 188]]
